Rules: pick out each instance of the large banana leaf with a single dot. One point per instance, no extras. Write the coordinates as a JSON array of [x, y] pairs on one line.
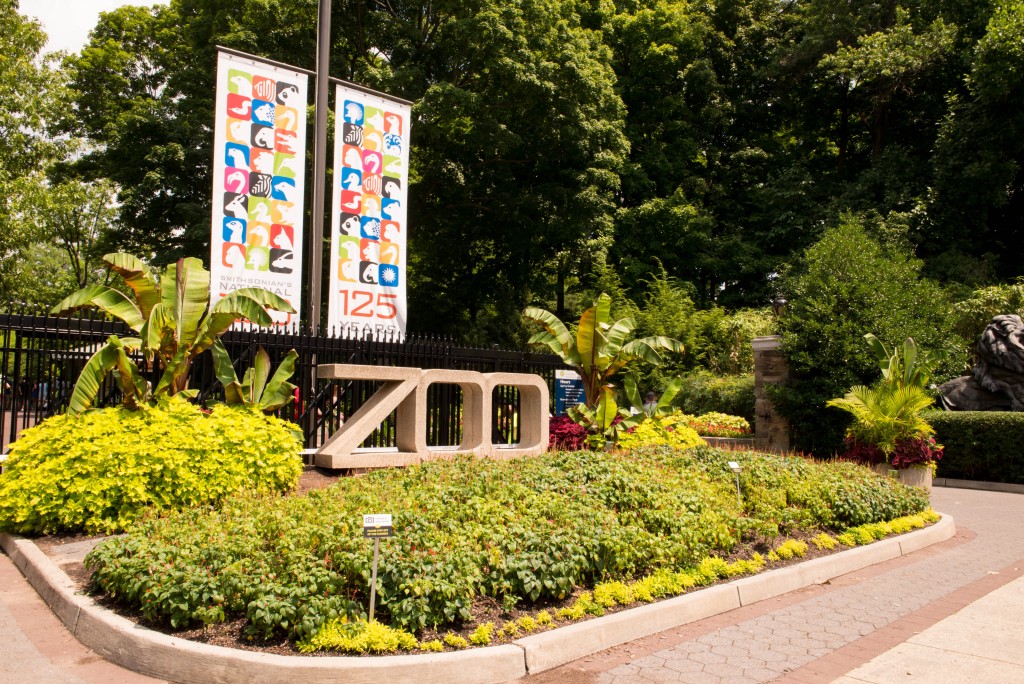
[[138, 277], [242, 307], [265, 298], [607, 409], [109, 357], [225, 372], [664, 404], [647, 348], [175, 376], [106, 299], [159, 333], [553, 326], [185, 291], [212, 327], [256, 377], [548, 340], [279, 392], [617, 335], [590, 338], [632, 393]]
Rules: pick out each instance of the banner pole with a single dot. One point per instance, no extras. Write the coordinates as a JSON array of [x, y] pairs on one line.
[[316, 241]]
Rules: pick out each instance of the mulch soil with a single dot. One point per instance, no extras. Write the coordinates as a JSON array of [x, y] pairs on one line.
[[484, 608]]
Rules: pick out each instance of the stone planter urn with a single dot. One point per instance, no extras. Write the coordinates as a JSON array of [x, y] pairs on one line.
[[917, 476], [914, 476]]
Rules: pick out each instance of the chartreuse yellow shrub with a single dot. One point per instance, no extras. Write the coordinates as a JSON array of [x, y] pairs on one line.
[[455, 641], [527, 623], [792, 548], [101, 470], [434, 645], [671, 430], [865, 534], [482, 635], [358, 637], [824, 541]]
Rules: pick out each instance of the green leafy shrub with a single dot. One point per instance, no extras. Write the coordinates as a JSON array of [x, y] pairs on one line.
[[845, 284], [980, 445], [706, 393], [539, 529], [100, 471]]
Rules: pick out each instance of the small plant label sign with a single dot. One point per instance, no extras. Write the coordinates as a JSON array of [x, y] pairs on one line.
[[378, 526]]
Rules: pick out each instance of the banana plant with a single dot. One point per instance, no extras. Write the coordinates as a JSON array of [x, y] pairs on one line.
[[601, 421], [255, 389], [172, 317], [598, 351], [906, 366]]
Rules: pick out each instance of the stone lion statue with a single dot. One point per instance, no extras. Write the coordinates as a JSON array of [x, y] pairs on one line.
[[997, 380]]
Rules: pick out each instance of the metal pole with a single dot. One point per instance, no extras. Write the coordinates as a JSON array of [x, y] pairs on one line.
[[739, 500], [316, 238], [373, 578]]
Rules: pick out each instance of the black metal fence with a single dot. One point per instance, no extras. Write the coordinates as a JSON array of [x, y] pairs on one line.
[[41, 357]]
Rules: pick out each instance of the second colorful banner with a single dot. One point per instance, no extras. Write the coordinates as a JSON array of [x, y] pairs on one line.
[[368, 233]]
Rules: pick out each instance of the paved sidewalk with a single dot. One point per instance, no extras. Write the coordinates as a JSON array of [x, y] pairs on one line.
[[36, 646], [952, 612], [852, 625]]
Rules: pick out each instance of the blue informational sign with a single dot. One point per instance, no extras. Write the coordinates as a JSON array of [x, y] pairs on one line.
[[568, 391]]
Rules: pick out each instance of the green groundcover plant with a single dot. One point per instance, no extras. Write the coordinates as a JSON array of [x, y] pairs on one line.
[[100, 471], [527, 533]]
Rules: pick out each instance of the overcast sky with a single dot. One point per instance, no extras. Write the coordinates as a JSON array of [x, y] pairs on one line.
[[68, 22]]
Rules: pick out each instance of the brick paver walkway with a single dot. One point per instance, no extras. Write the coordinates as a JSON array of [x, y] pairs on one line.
[[822, 632]]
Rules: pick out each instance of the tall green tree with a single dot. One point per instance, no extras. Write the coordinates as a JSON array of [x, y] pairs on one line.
[[30, 98], [517, 141], [975, 214]]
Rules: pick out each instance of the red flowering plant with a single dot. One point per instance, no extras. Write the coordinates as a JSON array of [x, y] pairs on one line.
[[566, 435], [914, 452]]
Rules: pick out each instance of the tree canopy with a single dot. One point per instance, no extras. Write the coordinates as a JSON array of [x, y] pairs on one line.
[[565, 148]]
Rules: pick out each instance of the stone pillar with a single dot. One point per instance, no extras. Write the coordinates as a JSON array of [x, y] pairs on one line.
[[771, 431]]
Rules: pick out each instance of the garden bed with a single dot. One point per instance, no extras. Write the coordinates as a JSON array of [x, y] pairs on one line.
[[484, 542]]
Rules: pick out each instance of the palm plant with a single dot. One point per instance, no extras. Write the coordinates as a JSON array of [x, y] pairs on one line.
[[598, 351], [173, 319], [885, 416]]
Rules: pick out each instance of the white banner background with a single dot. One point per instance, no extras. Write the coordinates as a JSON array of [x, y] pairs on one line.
[[369, 226], [258, 180]]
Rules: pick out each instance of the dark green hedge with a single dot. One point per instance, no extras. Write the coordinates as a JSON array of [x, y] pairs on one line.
[[980, 445], [704, 393]]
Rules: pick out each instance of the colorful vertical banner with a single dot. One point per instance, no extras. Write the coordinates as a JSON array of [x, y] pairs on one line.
[[369, 226], [258, 180]]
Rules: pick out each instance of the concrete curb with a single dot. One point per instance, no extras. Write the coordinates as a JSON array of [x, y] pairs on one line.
[[178, 660], [979, 485]]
